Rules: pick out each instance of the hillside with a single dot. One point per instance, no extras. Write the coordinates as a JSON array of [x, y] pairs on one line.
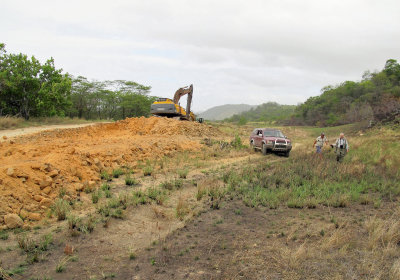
[[270, 111], [224, 111], [375, 97]]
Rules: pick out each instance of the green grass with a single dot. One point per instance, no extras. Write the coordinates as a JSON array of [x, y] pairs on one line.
[[132, 256], [305, 181], [19, 270], [105, 187], [117, 172], [33, 248], [156, 194], [183, 173], [96, 195], [3, 235], [129, 181], [105, 176], [61, 208], [148, 170], [172, 184]]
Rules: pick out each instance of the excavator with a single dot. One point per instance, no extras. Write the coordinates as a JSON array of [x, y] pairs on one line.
[[166, 107]]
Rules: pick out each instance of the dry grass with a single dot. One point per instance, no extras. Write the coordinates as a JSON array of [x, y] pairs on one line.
[[182, 209], [10, 122], [383, 233], [369, 249]]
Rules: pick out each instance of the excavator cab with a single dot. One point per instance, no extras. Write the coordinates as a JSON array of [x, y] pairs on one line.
[[166, 107]]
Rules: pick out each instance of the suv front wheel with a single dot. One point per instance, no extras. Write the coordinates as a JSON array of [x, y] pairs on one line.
[[264, 149], [252, 146]]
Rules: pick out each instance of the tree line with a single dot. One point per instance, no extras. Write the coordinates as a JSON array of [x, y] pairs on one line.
[[29, 88], [375, 98]]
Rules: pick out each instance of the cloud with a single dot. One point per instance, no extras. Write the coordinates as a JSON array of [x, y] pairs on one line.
[[232, 51]]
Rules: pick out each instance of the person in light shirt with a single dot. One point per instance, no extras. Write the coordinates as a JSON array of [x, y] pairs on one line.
[[319, 143], [342, 147]]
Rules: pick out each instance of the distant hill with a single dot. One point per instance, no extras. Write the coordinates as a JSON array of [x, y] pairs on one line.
[[224, 111], [270, 111]]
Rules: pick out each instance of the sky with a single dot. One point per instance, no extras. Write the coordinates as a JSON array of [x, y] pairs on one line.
[[233, 52]]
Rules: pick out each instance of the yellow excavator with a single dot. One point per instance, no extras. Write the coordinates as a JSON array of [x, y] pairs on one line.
[[166, 107]]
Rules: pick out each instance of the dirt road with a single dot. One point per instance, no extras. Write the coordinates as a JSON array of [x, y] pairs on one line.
[[12, 133]]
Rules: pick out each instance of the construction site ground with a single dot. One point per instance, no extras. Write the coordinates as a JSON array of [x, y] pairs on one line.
[[161, 227]]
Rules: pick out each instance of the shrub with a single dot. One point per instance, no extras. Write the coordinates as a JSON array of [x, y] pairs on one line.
[[237, 142]]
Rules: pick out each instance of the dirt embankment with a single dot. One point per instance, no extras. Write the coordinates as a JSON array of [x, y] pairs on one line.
[[34, 168]]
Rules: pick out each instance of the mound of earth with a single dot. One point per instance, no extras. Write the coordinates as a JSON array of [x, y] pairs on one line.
[[35, 168]]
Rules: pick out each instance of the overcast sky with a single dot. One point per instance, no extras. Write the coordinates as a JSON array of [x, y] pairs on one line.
[[232, 51]]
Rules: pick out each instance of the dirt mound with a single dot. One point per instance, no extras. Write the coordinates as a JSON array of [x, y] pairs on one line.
[[35, 168]]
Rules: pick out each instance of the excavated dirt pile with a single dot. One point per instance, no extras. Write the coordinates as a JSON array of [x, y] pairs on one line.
[[34, 168]]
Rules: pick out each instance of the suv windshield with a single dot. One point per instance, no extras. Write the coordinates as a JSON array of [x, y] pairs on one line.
[[273, 133]]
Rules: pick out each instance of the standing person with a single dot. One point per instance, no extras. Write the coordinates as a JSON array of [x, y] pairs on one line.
[[342, 147], [319, 143]]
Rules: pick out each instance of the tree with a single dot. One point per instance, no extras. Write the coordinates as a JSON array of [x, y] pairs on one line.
[[109, 99], [30, 88]]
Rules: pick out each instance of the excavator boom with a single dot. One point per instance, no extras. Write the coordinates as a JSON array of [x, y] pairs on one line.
[[181, 92]]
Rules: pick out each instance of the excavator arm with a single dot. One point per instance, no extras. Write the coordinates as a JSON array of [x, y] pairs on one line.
[[181, 92]]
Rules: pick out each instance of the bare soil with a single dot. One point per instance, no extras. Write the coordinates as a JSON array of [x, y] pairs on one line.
[[34, 168]]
